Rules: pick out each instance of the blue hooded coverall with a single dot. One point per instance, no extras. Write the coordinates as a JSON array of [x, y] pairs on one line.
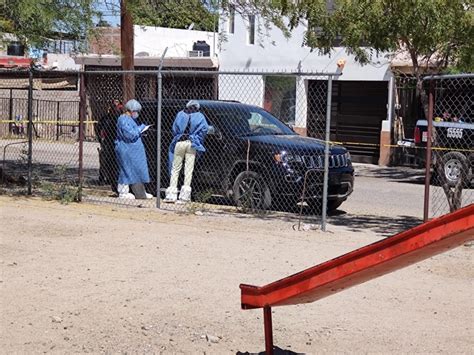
[[130, 152], [197, 133]]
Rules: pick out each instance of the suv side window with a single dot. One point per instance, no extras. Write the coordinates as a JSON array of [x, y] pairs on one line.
[[231, 121]]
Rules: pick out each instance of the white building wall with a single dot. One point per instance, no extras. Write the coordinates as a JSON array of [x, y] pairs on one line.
[[274, 52], [63, 61], [154, 40], [248, 89], [301, 102]]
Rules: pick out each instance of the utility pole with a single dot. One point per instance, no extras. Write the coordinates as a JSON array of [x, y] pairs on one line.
[[127, 50]]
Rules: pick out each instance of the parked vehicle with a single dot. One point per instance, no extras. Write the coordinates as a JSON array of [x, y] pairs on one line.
[[252, 157], [453, 156]]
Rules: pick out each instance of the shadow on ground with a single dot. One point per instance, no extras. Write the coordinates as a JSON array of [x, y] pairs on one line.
[[276, 351], [385, 226], [397, 174]]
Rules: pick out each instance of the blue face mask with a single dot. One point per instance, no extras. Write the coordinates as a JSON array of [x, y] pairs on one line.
[[134, 115]]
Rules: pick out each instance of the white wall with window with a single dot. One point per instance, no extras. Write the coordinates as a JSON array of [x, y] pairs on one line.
[[251, 47], [272, 51]]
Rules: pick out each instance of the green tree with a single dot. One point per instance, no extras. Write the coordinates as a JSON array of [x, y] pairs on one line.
[[439, 31], [172, 14], [435, 31], [33, 22]]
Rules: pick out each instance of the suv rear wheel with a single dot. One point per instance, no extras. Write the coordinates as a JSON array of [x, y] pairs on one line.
[[251, 192]]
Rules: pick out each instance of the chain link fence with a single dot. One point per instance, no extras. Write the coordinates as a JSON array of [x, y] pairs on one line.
[[239, 151], [449, 136], [39, 133]]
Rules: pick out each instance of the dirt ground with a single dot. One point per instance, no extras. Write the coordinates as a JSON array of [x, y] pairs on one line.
[[87, 278]]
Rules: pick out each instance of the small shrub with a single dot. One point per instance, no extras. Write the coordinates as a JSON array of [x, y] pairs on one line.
[[63, 190]]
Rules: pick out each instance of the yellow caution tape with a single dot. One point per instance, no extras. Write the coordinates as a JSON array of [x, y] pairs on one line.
[[399, 146], [55, 122], [356, 143], [61, 122]]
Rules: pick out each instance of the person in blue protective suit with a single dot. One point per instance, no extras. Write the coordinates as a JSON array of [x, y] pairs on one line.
[[130, 152], [189, 131]]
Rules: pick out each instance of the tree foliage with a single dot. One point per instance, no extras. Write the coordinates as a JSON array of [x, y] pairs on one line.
[[435, 31], [169, 13], [175, 14], [33, 22]]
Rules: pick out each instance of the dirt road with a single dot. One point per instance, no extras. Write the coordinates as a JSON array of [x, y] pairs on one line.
[[84, 278]]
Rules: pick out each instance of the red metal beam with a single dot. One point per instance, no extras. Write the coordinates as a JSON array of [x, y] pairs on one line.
[[14, 62], [366, 263]]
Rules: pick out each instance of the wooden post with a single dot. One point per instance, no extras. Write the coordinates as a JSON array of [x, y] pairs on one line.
[[127, 50]]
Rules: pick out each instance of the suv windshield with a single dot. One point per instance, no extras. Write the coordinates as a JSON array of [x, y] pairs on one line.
[[247, 121]]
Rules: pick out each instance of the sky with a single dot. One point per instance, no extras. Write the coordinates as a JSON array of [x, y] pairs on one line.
[[110, 11]]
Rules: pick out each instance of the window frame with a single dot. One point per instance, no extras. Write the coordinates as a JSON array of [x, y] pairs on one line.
[[231, 21], [251, 30]]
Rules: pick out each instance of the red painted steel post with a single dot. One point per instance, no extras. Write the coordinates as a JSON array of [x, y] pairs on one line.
[[267, 321], [426, 205]]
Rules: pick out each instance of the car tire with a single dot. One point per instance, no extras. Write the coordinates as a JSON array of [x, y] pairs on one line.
[[452, 167], [250, 191], [334, 205], [317, 205]]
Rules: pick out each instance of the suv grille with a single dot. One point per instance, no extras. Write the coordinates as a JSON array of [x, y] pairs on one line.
[[317, 161]]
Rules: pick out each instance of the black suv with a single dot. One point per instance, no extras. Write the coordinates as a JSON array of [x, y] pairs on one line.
[[251, 157]]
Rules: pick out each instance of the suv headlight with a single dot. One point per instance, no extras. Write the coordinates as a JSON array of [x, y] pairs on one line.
[[348, 157], [285, 157]]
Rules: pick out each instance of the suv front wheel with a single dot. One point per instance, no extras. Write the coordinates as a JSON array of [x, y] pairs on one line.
[[251, 192]]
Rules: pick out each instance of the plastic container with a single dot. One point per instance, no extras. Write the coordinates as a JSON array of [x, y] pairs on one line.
[[16, 49], [203, 47]]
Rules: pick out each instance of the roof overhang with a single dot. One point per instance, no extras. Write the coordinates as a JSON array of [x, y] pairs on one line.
[[402, 62], [181, 62]]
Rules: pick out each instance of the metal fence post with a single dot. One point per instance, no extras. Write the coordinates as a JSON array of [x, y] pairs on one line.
[[426, 204], [82, 116], [158, 139], [158, 129], [30, 130], [57, 121], [10, 107], [326, 155]]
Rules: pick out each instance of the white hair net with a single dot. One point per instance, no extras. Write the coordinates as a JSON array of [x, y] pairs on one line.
[[193, 103], [133, 105]]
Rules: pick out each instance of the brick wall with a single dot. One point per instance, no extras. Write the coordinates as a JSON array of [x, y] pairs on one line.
[[106, 40]]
